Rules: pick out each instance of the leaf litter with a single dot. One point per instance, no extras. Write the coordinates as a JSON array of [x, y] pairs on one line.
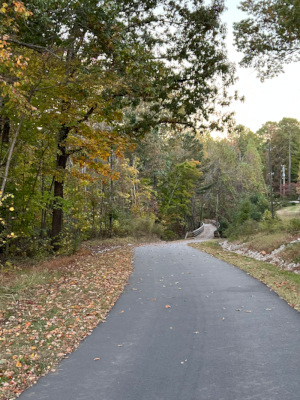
[[41, 324]]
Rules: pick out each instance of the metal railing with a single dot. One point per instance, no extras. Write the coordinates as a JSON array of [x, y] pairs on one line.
[[196, 232]]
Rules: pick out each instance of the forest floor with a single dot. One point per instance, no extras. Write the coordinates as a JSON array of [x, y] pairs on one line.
[[47, 309]]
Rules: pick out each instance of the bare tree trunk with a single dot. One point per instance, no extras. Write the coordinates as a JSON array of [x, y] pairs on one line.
[[10, 153], [271, 179], [290, 165]]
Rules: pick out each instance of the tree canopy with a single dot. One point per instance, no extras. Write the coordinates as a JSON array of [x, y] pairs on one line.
[[89, 78], [270, 36]]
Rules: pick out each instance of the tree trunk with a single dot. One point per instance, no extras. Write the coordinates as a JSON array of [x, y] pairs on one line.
[[111, 188], [290, 165], [4, 129], [57, 209], [10, 153]]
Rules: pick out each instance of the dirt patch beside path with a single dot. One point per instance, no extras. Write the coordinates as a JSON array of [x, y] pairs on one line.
[[274, 257]]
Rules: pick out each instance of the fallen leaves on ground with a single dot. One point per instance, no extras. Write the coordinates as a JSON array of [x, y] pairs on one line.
[[42, 324]]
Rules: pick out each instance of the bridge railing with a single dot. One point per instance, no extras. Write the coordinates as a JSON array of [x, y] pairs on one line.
[[216, 224], [196, 232]]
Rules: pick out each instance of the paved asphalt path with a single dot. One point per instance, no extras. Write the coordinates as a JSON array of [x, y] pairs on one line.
[[187, 327]]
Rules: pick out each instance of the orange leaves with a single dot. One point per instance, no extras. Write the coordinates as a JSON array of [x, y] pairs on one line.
[[20, 9], [51, 319], [15, 6]]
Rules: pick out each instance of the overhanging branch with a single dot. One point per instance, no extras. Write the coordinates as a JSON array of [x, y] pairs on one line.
[[35, 47]]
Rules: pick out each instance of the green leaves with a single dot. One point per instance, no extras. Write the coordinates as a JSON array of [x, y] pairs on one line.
[[97, 76], [270, 36]]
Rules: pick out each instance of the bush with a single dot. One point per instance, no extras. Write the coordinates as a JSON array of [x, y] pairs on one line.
[[294, 225], [168, 234], [245, 229], [137, 227], [224, 225], [271, 226]]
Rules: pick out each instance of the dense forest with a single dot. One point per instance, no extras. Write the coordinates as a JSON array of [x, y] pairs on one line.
[[107, 112]]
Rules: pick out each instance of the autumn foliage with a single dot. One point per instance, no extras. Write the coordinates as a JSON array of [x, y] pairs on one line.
[[58, 306]]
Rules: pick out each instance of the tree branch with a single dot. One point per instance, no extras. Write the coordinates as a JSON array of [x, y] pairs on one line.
[[39, 49]]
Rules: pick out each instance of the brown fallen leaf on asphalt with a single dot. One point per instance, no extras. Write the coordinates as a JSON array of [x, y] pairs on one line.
[[167, 306], [50, 320], [96, 358]]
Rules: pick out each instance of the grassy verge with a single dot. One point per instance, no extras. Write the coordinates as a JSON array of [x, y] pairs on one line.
[[48, 308], [289, 212], [269, 235], [267, 242], [285, 283]]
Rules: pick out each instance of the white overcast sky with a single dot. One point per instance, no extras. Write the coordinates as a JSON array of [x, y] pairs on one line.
[[271, 100]]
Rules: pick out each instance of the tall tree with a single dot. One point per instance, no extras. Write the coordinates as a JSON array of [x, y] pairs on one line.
[[284, 137], [12, 65], [129, 65], [230, 177], [270, 36], [176, 193]]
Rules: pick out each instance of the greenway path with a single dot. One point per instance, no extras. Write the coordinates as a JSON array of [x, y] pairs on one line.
[[187, 327]]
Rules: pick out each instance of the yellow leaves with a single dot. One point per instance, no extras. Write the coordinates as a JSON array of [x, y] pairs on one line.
[[12, 235], [18, 364], [3, 8], [19, 7]]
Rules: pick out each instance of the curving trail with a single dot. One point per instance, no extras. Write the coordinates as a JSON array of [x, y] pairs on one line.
[[187, 327], [208, 232]]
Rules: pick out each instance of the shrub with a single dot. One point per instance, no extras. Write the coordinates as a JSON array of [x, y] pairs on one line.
[[168, 234], [245, 229], [294, 225], [137, 227]]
